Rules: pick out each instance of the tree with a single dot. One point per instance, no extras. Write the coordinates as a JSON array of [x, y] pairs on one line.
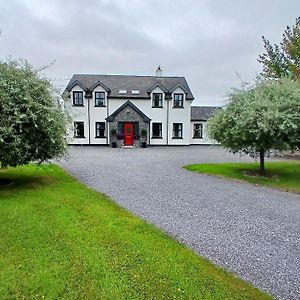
[[32, 125], [259, 118], [282, 60]]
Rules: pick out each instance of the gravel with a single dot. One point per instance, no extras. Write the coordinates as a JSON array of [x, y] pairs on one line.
[[252, 231]]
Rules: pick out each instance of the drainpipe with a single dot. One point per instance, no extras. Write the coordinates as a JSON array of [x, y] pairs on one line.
[[148, 136], [167, 98], [107, 114], [89, 120]]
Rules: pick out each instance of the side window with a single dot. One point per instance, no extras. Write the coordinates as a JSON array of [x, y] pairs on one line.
[[120, 128], [136, 130], [77, 98], [79, 129]]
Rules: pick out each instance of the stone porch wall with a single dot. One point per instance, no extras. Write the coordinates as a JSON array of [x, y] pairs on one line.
[[128, 114]]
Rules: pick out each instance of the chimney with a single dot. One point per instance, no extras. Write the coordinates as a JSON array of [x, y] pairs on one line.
[[158, 72]]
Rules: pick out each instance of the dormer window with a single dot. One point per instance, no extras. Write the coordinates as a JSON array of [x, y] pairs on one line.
[[178, 100], [99, 98], [77, 98], [123, 92], [157, 100], [135, 92]]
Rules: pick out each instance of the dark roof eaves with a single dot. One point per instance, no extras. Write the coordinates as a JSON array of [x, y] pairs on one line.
[[74, 83], [93, 86]]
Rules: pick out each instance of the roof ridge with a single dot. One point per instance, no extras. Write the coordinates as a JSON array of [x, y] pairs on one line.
[[152, 76]]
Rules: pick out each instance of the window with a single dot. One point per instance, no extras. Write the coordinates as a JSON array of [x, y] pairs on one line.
[[120, 128], [178, 100], [79, 129], [198, 131], [122, 91], [100, 129], [177, 130], [157, 100], [156, 130], [136, 130], [135, 92], [78, 98], [99, 99]]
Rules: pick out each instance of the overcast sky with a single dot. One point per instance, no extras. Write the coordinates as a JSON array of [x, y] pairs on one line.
[[208, 42]]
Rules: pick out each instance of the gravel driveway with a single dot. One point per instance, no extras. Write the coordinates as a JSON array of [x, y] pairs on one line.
[[252, 231]]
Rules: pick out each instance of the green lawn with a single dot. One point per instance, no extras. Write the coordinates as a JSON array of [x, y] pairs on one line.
[[61, 240], [285, 175]]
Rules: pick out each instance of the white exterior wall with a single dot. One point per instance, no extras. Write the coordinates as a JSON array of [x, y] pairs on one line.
[[157, 115], [180, 115], [98, 114], [205, 140], [78, 114]]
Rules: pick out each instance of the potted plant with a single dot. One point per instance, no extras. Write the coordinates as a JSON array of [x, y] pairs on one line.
[[113, 133], [144, 137]]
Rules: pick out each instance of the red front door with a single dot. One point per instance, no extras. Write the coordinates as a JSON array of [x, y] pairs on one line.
[[128, 134]]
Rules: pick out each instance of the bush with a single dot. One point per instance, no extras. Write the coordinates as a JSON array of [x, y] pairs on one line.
[[32, 123]]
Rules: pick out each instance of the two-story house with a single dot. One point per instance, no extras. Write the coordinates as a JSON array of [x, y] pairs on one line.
[[118, 108]]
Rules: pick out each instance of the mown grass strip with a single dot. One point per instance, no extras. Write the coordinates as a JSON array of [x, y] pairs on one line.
[[284, 175], [62, 240]]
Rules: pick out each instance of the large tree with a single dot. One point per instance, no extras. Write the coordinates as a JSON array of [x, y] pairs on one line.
[[282, 60], [32, 124], [260, 118]]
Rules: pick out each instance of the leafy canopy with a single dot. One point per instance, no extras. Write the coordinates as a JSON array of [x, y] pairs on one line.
[[283, 60], [259, 118], [32, 124]]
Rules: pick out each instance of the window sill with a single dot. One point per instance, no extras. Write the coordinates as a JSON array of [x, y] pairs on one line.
[[156, 137], [178, 107], [177, 138], [157, 107], [79, 137], [99, 105], [197, 138], [78, 105], [100, 137]]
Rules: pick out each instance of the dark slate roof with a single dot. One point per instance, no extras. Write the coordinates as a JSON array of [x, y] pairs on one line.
[[203, 113], [114, 83]]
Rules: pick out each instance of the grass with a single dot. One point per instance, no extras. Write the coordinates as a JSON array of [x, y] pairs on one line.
[[61, 240], [284, 175]]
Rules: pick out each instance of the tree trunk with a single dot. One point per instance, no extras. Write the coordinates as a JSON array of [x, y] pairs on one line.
[[262, 170]]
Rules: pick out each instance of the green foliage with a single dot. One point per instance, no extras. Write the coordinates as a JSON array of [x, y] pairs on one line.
[[264, 116], [283, 60], [113, 132], [62, 240], [144, 132], [32, 124]]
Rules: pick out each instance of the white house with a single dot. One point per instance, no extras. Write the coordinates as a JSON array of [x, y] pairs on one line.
[[119, 109]]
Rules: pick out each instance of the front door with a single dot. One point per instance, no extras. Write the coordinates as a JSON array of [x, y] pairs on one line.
[[128, 134]]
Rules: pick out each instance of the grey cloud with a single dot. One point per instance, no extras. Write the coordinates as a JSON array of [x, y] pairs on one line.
[[206, 41]]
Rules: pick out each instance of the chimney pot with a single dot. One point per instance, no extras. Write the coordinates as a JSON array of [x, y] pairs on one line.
[[158, 72]]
